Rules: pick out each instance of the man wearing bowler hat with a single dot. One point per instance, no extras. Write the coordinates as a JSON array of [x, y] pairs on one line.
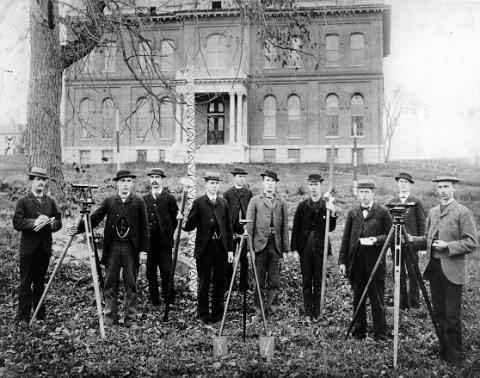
[[213, 247], [450, 235], [268, 229], [308, 239], [36, 216], [238, 197], [365, 232], [162, 212], [125, 246], [415, 225]]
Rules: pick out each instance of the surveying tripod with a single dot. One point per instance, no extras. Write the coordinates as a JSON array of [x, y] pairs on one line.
[[85, 199], [398, 232]]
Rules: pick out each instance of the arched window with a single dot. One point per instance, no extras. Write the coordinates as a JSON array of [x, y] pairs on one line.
[[331, 48], [332, 113], [270, 55], [270, 116], [108, 118], [293, 111], [216, 52], [166, 118], [109, 57], [357, 109], [167, 49], [86, 118], [357, 49], [143, 117], [216, 122]]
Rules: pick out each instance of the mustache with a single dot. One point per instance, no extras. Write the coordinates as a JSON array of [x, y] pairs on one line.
[[154, 183]]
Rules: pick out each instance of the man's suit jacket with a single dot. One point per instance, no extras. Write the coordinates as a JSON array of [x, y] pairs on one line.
[[28, 209], [136, 214], [378, 224], [302, 221], [199, 218], [260, 211], [415, 220], [163, 212], [456, 226], [237, 200]]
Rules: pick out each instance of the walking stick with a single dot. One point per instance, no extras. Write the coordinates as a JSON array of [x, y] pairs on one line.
[[54, 273], [326, 240], [175, 251]]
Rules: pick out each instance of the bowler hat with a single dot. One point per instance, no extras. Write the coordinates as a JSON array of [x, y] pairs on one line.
[[156, 171], [366, 184], [38, 172], [451, 178], [315, 177], [270, 173], [212, 175], [405, 176], [123, 173], [238, 171]]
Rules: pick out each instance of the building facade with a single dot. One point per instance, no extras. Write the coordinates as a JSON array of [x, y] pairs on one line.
[[252, 104]]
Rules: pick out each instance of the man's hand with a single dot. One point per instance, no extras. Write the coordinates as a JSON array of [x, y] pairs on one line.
[[440, 245], [143, 258], [72, 230], [343, 269], [41, 219], [296, 256], [230, 257], [329, 202], [409, 238], [179, 215]]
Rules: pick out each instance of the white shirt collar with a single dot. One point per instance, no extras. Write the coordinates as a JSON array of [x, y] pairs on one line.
[[124, 197], [158, 191], [212, 198], [38, 195]]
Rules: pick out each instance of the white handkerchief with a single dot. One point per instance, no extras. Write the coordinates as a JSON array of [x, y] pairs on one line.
[[367, 241]]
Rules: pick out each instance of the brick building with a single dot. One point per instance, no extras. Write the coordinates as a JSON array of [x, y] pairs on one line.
[[248, 106]]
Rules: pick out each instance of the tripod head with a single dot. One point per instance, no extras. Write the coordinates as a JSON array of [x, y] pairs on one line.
[[84, 196], [399, 211]]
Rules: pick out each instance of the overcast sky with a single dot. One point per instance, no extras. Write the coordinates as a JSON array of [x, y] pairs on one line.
[[434, 60]]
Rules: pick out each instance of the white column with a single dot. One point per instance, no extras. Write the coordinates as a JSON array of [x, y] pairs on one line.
[[178, 123], [239, 118], [231, 123], [245, 121]]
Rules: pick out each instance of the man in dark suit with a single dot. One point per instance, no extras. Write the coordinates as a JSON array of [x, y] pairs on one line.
[[125, 246], [366, 230], [162, 220], [308, 239], [37, 217], [213, 247], [415, 225], [238, 198]]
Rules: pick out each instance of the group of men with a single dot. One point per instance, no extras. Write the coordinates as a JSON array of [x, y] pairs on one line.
[[140, 230]]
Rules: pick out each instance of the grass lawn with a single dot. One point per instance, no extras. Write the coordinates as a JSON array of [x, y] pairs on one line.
[[68, 343]]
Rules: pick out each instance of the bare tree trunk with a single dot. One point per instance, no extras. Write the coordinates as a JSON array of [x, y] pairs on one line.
[[42, 143]]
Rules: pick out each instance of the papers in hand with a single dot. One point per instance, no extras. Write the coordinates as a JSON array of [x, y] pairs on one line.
[[43, 224], [368, 241]]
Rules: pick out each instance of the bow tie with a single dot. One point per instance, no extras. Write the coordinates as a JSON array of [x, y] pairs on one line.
[[363, 208]]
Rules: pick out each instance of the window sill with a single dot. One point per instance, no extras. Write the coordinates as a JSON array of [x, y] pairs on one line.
[[294, 137], [269, 137], [358, 136], [332, 137], [332, 65], [357, 65]]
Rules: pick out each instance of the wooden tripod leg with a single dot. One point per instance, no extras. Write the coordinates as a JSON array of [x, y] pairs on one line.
[[93, 266], [375, 268], [235, 265], [396, 292]]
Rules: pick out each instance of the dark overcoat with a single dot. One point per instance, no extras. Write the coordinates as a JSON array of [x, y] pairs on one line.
[[237, 201], [163, 212]]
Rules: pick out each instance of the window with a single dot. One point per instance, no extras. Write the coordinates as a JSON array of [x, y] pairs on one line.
[[294, 155], [161, 155], [107, 156], [166, 118], [216, 52], [143, 117], [86, 118], [270, 55], [141, 156], [167, 48], [84, 157], [109, 57], [293, 110], [216, 122], [357, 107], [269, 116], [216, 5], [145, 56], [329, 154], [332, 105], [294, 53], [269, 155], [357, 49], [360, 159], [331, 48], [108, 118]]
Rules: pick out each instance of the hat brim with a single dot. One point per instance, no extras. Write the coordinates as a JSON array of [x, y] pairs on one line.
[[121, 177], [400, 177], [446, 179], [33, 175], [239, 173], [316, 180], [265, 174], [206, 178], [157, 174], [367, 187]]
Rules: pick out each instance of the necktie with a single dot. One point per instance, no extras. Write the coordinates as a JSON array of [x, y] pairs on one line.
[[365, 208]]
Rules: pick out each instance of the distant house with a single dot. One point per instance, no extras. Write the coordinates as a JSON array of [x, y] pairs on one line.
[[11, 138], [249, 107]]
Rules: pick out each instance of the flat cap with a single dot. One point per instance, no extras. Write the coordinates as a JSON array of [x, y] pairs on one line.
[[156, 171], [315, 177], [212, 175]]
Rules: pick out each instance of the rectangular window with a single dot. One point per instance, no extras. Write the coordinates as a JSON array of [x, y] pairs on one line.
[[357, 123], [141, 156], [360, 159], [294, 155], [332, 125], [107, 156], [161, 155], [357, 49], [331, 48], [294, 53], [269, 155], [85, 156], [109, 56], [335, 155]]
